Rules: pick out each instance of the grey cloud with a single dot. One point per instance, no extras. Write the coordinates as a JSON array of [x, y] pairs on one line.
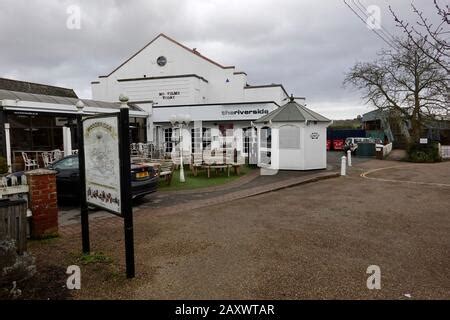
[[306, 45]]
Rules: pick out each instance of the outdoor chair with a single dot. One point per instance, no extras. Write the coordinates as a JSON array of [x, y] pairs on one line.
[[175, 155], [56, 155], [45, 159], [29, 163], [196, 162], [166, 169], [238, 163]]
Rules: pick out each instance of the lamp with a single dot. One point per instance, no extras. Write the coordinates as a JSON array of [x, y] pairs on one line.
[[179, 121]]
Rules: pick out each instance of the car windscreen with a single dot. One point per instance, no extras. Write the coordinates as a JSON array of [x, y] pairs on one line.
[[68, 163]]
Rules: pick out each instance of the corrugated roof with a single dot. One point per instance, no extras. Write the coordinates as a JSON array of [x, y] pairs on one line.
[[37, 88], [292, 112], [31, 97]]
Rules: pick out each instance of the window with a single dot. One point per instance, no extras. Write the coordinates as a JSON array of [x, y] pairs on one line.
[[196, 140], [266, 143], [246, 133], [37, 132], [137, 130], [168, 139], [68, 163], [266, 137], [289, 137], [206, 138]]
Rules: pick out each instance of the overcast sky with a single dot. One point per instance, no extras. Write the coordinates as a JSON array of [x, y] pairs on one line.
[[306, 45]]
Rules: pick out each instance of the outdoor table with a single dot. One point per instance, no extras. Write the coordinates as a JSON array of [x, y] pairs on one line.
[[237, 169], [217, 166]]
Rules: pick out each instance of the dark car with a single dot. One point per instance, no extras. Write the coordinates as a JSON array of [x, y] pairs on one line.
[[143, 179]]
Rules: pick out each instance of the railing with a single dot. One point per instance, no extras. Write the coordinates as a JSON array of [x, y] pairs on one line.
[[17, 159]]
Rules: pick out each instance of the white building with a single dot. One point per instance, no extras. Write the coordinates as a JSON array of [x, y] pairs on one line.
[[165, 78], [292, 137]]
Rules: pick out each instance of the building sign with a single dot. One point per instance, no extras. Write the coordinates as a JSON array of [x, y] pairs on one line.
[[169, 95], [102, 161], [260, 112], [215, 112], [315, 135], [423, 141]]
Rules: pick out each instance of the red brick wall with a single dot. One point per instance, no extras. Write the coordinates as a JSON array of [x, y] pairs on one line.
[[43, 203]]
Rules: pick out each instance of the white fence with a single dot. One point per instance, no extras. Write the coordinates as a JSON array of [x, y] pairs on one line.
[[387, 149], [445, 151]]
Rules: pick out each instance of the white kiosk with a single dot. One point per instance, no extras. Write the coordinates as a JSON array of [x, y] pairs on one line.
[[292, 137]]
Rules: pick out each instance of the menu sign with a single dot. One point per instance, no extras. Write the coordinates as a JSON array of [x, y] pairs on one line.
[[102, 162]]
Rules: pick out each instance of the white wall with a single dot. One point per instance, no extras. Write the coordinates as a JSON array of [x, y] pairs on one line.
[[222, 85], [315, 149], [312, 153]]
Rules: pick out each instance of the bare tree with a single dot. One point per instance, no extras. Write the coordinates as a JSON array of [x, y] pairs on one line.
[[435, 37], [405, 81]]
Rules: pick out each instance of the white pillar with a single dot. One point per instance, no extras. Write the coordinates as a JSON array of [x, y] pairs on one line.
[[182, 179], [349, 158], [67, 141], [8, 147], [149, 127], [343, 165]]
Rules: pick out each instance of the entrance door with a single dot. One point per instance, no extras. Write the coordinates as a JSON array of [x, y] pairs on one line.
[[226, 140]]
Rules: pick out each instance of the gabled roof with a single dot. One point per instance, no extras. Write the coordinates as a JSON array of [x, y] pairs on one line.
[[292, 112], [37, 88], [193, 51]]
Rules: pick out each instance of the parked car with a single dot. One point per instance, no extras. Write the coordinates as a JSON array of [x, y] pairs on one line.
[[352, 143], [143, 179]]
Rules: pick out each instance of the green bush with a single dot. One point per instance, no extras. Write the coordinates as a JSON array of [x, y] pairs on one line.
[[423, 152], [3, 165]]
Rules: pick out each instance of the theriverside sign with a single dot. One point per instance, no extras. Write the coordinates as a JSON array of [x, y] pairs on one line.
[[102, 161]]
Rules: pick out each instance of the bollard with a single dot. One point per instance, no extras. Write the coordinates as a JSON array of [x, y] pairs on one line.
[[349, 158], [343, 164]]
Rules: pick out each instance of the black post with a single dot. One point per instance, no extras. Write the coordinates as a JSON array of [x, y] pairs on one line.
[[83, 203], [125, 185]]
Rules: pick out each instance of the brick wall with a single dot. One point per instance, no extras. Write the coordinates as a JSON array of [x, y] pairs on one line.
[[43, 202]]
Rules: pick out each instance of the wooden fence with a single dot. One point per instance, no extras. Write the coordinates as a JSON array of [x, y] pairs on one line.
[[13, 222]]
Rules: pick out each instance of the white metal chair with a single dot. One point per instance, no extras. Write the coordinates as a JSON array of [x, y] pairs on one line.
[[45, 158], [56, 155], [29, 163]]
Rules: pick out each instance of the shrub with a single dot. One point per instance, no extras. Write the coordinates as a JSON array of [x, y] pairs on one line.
[[423, 152]]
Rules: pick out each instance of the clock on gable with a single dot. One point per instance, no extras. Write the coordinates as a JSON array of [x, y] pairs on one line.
[[161, 61]]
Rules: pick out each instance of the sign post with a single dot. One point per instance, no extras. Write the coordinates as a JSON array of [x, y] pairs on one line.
[[105, 172], [83, 203], [125, 190]]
